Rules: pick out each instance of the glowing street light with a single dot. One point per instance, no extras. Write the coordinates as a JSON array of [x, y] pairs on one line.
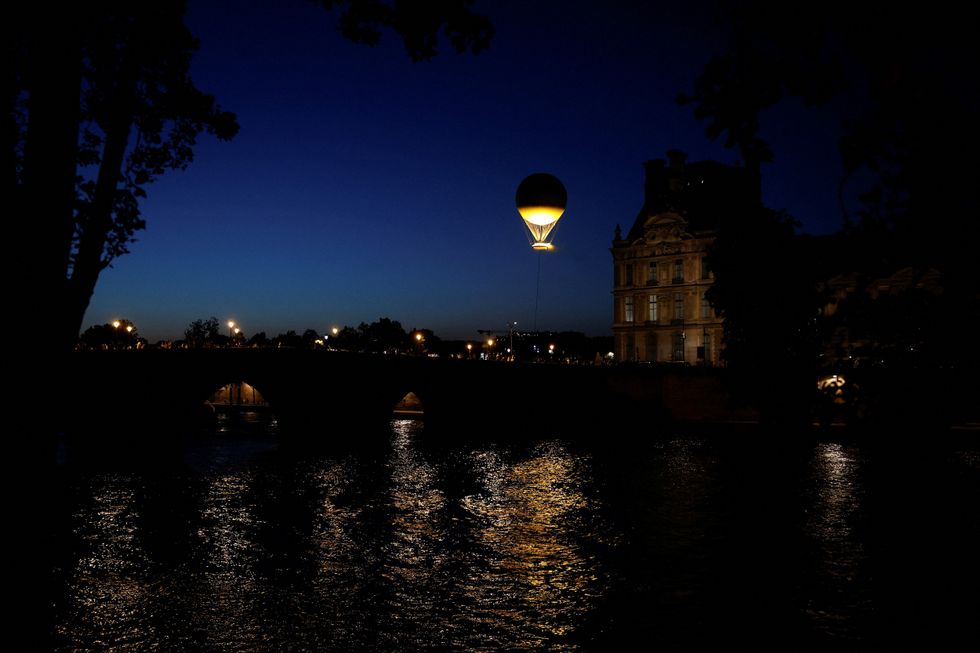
[[334, 330], [116, 324]]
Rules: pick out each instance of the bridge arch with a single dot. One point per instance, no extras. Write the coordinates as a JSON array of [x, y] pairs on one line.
[[409, 406]]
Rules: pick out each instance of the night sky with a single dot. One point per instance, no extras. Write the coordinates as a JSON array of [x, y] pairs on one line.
[[364, 185]]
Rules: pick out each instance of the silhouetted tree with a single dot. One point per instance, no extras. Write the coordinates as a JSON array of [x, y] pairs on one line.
[[288, 339], [384, 335], [906, 92], [202, 333], [120, 334], [258, 340], [101, 103], [309, 338], [766, 289], [428, 343], [418, 24], [348, 339]]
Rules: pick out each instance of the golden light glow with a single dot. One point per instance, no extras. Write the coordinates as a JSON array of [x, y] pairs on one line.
[[490, 342], [540, 216], [231, 324], [418, 337], [129, 328], [115, 324], [237, 331], [540, 221], [335, 330], [833, 386], [833, 381]]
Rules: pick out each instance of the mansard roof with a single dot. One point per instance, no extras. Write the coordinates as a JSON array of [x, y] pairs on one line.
[[703, 194]]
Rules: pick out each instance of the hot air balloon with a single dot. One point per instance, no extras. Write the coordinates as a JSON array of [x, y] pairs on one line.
[[541, 200]]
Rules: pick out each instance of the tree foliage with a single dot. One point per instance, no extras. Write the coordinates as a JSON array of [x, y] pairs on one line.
[[100, 103], [120, 334], [903, 85], [418, 23], [203, 333]]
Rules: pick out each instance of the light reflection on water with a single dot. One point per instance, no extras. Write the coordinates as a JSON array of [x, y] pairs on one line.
[[840, 558], [472, 547], [107, 595]]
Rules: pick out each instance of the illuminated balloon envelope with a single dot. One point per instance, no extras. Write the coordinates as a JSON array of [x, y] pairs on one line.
[[541, 200]]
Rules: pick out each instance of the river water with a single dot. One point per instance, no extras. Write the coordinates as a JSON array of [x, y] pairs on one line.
[[534, 542]]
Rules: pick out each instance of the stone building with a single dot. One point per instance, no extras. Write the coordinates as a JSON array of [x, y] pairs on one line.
[[660, 269]]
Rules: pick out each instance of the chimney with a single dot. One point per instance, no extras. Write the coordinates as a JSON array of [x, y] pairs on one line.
[[676, 158], [655, 186]]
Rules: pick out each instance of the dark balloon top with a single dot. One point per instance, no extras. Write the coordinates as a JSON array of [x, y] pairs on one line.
[[541, 189]]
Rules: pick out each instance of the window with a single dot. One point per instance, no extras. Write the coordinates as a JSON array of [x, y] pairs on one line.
[[630, 353], [705, 306], [679, 270], [679, 307], [705, 270], [653, 309], [629, 274], [651, 343], [677, 347], [652, 279], [628, 309]]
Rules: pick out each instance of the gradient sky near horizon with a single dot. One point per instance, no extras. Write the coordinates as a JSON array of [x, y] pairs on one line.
[[364, 185]]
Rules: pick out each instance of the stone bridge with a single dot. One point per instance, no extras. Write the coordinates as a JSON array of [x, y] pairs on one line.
[[310, 389]]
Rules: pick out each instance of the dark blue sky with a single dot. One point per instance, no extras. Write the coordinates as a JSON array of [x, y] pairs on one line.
[[362, 185]]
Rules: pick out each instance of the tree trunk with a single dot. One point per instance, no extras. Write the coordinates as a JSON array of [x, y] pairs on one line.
[[44, 214], [98, 219]]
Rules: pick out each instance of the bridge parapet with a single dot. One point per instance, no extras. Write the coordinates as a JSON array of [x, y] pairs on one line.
[[312, 389]]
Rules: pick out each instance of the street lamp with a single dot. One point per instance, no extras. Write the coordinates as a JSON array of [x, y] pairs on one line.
[[231, 327], [490, 343]]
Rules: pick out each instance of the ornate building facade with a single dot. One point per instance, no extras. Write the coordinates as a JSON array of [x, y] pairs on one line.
[[660, 268]]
